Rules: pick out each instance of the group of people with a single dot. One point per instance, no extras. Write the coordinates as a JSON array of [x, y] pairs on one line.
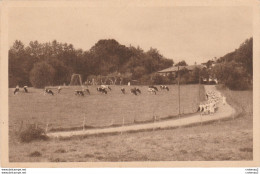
[[211, 104]]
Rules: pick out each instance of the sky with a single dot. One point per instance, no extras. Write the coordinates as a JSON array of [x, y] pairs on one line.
[[193, 34]]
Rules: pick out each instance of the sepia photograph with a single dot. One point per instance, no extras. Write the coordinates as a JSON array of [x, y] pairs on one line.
[[128, 82]]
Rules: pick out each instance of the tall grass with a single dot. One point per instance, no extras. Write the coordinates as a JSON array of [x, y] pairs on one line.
[[67, 111], [242, 101], [32, 132]]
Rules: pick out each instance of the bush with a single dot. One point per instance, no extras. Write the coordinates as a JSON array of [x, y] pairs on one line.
[[42, 75], [145, 80], [237, 84], [62, 72], [60, 151], [232, 75], [138, 72], [184, 78], [160, 80], [35, 154], [32, 133]]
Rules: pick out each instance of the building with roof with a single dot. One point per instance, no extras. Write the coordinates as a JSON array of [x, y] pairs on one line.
[[174, 69]]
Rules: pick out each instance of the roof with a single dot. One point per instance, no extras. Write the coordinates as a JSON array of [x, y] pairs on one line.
[[175, 68]]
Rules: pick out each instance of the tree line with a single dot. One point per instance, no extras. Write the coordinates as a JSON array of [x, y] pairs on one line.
[[53, 63], [235, 69]]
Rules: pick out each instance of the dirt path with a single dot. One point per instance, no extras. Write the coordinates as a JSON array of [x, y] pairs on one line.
[[224, 111]]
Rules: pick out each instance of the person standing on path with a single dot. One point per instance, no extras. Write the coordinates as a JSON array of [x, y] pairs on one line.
[[224, 100]]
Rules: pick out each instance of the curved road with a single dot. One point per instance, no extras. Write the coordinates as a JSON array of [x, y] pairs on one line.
[[224, 111]]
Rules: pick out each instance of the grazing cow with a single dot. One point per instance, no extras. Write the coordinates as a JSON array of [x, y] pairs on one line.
[[16, 89], [102, 90], [123, 90], [48, 91], [106, 87], [25, 89], [135, 91], [162, 87], [154, 87], [79, 93], [152, 90]]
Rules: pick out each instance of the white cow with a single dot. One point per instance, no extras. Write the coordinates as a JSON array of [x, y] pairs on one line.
[[151, 90], [106, 87]]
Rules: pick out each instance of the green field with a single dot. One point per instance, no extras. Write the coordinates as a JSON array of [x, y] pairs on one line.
[[220, 141], [65, 110]]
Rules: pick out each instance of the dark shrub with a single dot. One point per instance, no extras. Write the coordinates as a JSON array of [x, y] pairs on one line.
[[60, 151], [35, 154], [57, 160], [233, 75], [139, 72], [32, 133], [160, 80], [42, 75], [246, 149], [145, 80]]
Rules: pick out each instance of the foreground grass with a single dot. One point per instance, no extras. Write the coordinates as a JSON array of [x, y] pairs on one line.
[[227, 140]]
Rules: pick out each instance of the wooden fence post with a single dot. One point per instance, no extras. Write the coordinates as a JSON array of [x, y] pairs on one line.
[[83, 126], [47, 127]]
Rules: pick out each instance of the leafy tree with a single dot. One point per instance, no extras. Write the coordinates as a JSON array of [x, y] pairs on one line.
[[235, 69], [245, 55], [194, 76], [204, 73], [62, 72], [106, 57], [160, 80], [19, 65], [42, 75], [181, 63], [232, 74], [138, 72]]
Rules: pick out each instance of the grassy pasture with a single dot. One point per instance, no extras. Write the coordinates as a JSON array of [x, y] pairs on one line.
[[65, 110], [229, 140]]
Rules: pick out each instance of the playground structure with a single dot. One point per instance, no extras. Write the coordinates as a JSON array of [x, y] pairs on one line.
[[105, 80], [75, 80], [118, 79]]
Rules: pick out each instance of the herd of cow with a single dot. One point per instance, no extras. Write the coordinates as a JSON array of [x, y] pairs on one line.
[[102, 89], [208, 107]]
